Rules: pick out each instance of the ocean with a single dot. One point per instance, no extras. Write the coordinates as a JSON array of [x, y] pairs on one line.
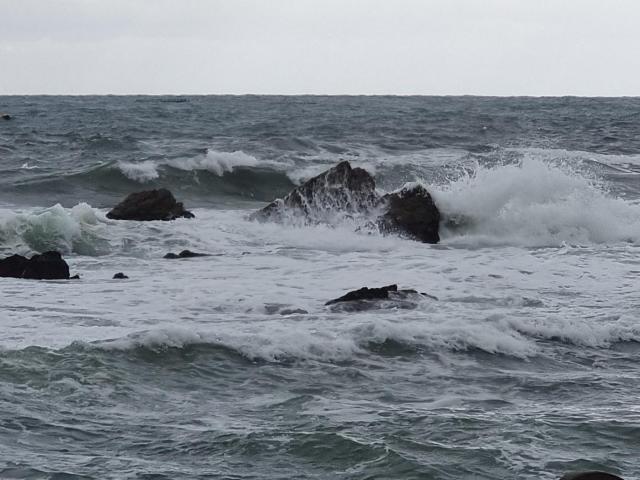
[[526, 366]]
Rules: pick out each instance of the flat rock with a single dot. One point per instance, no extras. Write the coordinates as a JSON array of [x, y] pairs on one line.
[[367, 298], [44, 266], [186, 254], [590, 475], [149, 205]]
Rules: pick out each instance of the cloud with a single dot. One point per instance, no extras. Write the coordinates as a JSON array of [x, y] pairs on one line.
[[495, 47]]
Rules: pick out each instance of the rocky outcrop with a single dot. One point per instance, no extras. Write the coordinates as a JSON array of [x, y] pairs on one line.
[[45, 266], [341, 189], [346, 191], [186, 254], [590, 475], [412, 212], [157, 204], [378, 297]]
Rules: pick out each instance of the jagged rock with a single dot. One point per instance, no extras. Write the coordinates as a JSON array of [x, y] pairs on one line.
[[590, 475], [120, 276], [341, 189], [411, 211], [186, 254], [5, 116], [45, 266], [347, 191], [381, 297], [157, 204]]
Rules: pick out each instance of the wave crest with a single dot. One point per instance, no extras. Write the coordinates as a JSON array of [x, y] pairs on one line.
[[533, 203], [75, 230]]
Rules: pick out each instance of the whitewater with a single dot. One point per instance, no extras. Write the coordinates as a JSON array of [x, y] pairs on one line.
[[522, 362]]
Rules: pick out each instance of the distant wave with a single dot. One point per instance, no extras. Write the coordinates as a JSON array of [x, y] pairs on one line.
[[213, 161]]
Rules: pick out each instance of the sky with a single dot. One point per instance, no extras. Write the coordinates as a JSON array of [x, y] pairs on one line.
[[402, 47]]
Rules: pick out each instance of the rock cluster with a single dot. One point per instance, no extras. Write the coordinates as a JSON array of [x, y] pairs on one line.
[[344, 190]]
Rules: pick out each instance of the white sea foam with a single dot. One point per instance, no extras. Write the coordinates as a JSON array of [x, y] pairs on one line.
[[534, 203], [213, 161], [140, 172], [76, 230], [216, 162]]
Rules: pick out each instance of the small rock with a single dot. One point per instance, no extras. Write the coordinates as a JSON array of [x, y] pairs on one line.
[[149, 205], [75, 277], [120, 276], [186, 254], [590, 475], [5, 116], [293, 311], [381, 297]]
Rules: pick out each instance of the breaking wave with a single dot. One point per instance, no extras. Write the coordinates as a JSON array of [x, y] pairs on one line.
[[76, 230], [533, 203]]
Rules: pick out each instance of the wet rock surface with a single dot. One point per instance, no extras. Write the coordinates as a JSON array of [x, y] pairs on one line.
[[149, 205], [345, 191], [185, 254], [44, 266], [340, 189], [590, 475], [388, 296]]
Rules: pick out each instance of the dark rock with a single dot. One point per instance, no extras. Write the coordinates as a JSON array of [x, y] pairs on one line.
[[341, 189], [365, 293], [411, 211], [5, 116], [382, 297], [347, 191], [282, 309], [149, 205], [293, 311], [13, 266], [75, 277], [186, 254], [120, 276], [590, 475], [45, 266]]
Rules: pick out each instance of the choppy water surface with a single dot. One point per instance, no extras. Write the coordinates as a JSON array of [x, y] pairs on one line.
[[525, 367]]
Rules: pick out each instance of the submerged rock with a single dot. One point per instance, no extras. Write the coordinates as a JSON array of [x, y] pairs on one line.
[[346, 191], [120, 276], [590, 475], [411, 211], [186, 254], [5, 116], [44, 266], [149, 205], [378, 297], [341, 189]]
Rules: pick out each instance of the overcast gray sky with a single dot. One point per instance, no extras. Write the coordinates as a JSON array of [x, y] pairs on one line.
[[431, 47]]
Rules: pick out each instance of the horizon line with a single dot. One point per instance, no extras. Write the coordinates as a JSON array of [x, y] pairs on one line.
[[571, 95]]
